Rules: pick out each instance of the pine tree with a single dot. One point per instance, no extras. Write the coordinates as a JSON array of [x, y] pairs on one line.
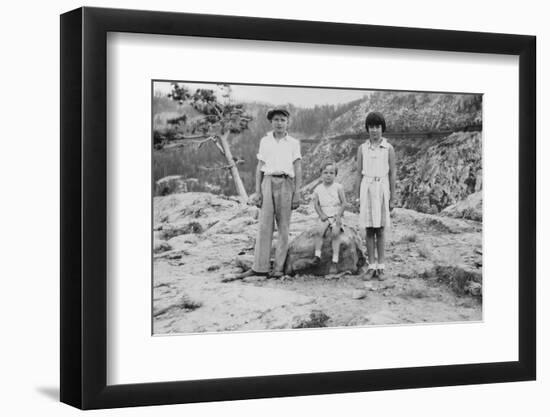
[[215, 120]]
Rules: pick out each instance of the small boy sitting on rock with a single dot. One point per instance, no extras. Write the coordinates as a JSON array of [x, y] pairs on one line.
[[329, 201]]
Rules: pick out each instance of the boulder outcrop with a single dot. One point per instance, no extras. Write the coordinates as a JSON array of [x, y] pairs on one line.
[[301, 253]]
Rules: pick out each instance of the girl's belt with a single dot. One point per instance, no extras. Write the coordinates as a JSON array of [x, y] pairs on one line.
[[374, 179]]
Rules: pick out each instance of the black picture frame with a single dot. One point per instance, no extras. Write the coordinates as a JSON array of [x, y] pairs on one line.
[[84, 207]]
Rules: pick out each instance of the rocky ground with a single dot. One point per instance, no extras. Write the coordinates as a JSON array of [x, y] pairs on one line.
[[434, 273]]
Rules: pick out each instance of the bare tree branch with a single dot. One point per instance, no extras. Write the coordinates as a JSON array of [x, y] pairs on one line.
[[214, 168], [186, 140], [179, 136]]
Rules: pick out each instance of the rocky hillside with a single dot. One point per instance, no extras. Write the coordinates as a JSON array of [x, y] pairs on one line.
[[409, 111], [404, 111], [432, 173], [445, 174], [436, 169]]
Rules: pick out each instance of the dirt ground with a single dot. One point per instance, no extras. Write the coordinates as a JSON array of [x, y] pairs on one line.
[[433, 273]]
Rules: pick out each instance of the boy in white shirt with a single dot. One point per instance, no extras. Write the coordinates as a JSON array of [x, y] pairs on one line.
[[278, 183]]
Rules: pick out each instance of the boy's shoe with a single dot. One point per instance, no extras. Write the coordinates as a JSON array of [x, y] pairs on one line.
[[381, 275], [316, 260], [276, 274], [333, 268], [251, 273], [370, 274]]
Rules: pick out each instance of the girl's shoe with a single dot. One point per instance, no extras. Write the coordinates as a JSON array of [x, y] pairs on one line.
[[370, 274], [381, 275]]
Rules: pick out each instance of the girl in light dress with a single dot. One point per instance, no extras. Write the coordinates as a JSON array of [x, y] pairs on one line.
[[376, 179], [329, 201]]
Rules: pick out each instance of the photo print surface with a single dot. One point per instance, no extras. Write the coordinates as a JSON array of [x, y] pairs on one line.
[[283, 207]]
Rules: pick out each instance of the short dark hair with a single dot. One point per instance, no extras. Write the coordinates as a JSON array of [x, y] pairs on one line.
[[375, 118], [327, 163]]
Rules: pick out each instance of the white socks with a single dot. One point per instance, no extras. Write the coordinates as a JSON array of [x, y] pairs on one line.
[[334, 257]]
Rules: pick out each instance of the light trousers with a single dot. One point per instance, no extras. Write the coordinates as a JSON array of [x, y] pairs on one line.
[[277, 195]]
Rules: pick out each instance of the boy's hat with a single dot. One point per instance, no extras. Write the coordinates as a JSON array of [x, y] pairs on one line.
[[277, 110]]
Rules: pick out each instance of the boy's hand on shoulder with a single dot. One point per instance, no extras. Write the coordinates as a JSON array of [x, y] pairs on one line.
[[324, 218]]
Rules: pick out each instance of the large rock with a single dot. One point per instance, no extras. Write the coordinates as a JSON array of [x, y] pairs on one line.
[[462, 279], [161, 246], [430, 223], [443, 175], [245, 261], [469, 208], [301, 253], [182, 208], [314, 319], [173, 184], [170, 230]]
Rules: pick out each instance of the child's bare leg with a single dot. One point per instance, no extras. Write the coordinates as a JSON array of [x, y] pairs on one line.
[[336, 242], [371, 270], [318, 244], [370, 245], [319, 234], [380, 242]]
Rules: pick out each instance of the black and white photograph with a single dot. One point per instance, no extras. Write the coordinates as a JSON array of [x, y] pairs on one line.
[[268, 209], [289, 207]]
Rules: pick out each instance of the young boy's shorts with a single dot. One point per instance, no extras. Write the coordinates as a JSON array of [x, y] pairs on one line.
[[330, 224]]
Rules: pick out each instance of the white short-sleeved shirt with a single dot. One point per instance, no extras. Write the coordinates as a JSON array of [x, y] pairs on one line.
[[279, 155]]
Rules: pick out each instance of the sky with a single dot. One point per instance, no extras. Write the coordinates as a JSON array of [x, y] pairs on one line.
[[274, 95]]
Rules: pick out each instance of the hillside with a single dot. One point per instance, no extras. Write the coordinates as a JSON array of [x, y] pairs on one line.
[[407, 111], [436, 168], [432, 173]]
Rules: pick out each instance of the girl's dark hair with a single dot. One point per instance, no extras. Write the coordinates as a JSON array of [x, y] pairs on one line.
[[327, 163], [375, 118]]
